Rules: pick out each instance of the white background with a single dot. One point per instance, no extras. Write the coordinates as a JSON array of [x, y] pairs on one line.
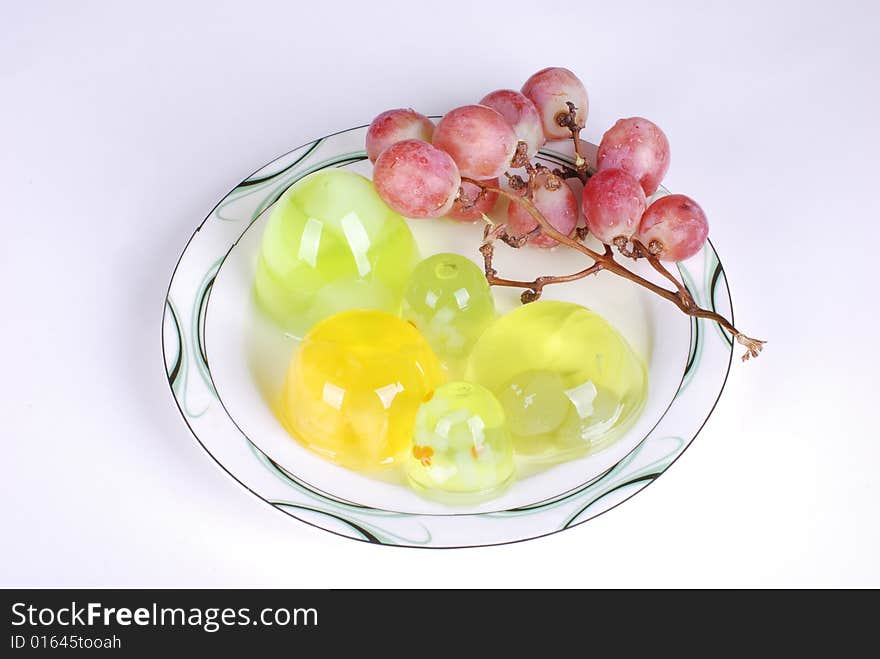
[[122, 125]]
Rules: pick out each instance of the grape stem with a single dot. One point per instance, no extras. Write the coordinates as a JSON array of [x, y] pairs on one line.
[[567, 172], [535, 287], [569, 120], [681, 297], [683, 293], [521, 157]]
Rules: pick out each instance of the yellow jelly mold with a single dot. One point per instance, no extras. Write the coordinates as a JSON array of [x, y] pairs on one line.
[[355, 385]]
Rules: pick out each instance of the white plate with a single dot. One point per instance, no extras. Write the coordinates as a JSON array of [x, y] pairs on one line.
[[224, 363]]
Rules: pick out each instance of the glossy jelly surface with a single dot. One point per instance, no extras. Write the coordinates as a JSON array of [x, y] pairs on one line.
[[354, 386], [331, 244], [462, 446], [449, 301], [568, 381]]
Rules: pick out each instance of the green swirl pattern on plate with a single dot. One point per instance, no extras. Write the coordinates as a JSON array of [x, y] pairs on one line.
[[189, 377]]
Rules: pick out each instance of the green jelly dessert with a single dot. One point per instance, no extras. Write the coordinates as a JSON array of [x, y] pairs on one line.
[[449, 301], [569, 383], [332, 245], [462, 449]]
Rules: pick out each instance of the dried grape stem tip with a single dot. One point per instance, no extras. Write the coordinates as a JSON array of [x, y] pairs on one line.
[[753, 346]]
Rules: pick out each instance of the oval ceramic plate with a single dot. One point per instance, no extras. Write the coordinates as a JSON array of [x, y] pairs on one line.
[[223, 361]]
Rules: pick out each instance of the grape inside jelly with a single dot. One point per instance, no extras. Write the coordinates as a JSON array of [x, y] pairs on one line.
[[569, 383]]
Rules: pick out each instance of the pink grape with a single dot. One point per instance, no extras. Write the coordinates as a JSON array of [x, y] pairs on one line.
[[416, 179], [395, 126], [638, 147], [549, 89], [484, 202], [674, 227], [613, 203], [479, 140], [521, 114], [558, 205]]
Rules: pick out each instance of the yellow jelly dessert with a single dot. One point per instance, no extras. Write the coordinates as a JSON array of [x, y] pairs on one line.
[[355, 385], [568, 381]]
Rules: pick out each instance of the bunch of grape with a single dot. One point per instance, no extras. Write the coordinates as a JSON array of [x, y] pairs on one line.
[[452, 169]]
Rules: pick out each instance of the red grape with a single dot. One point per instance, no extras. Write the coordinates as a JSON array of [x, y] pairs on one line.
[[638, 147], [521, 114], [395, 126], [613, 203], [549, 89], [674, 228], [479, 140], [557, 204], [416, 179], [484, 202]]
